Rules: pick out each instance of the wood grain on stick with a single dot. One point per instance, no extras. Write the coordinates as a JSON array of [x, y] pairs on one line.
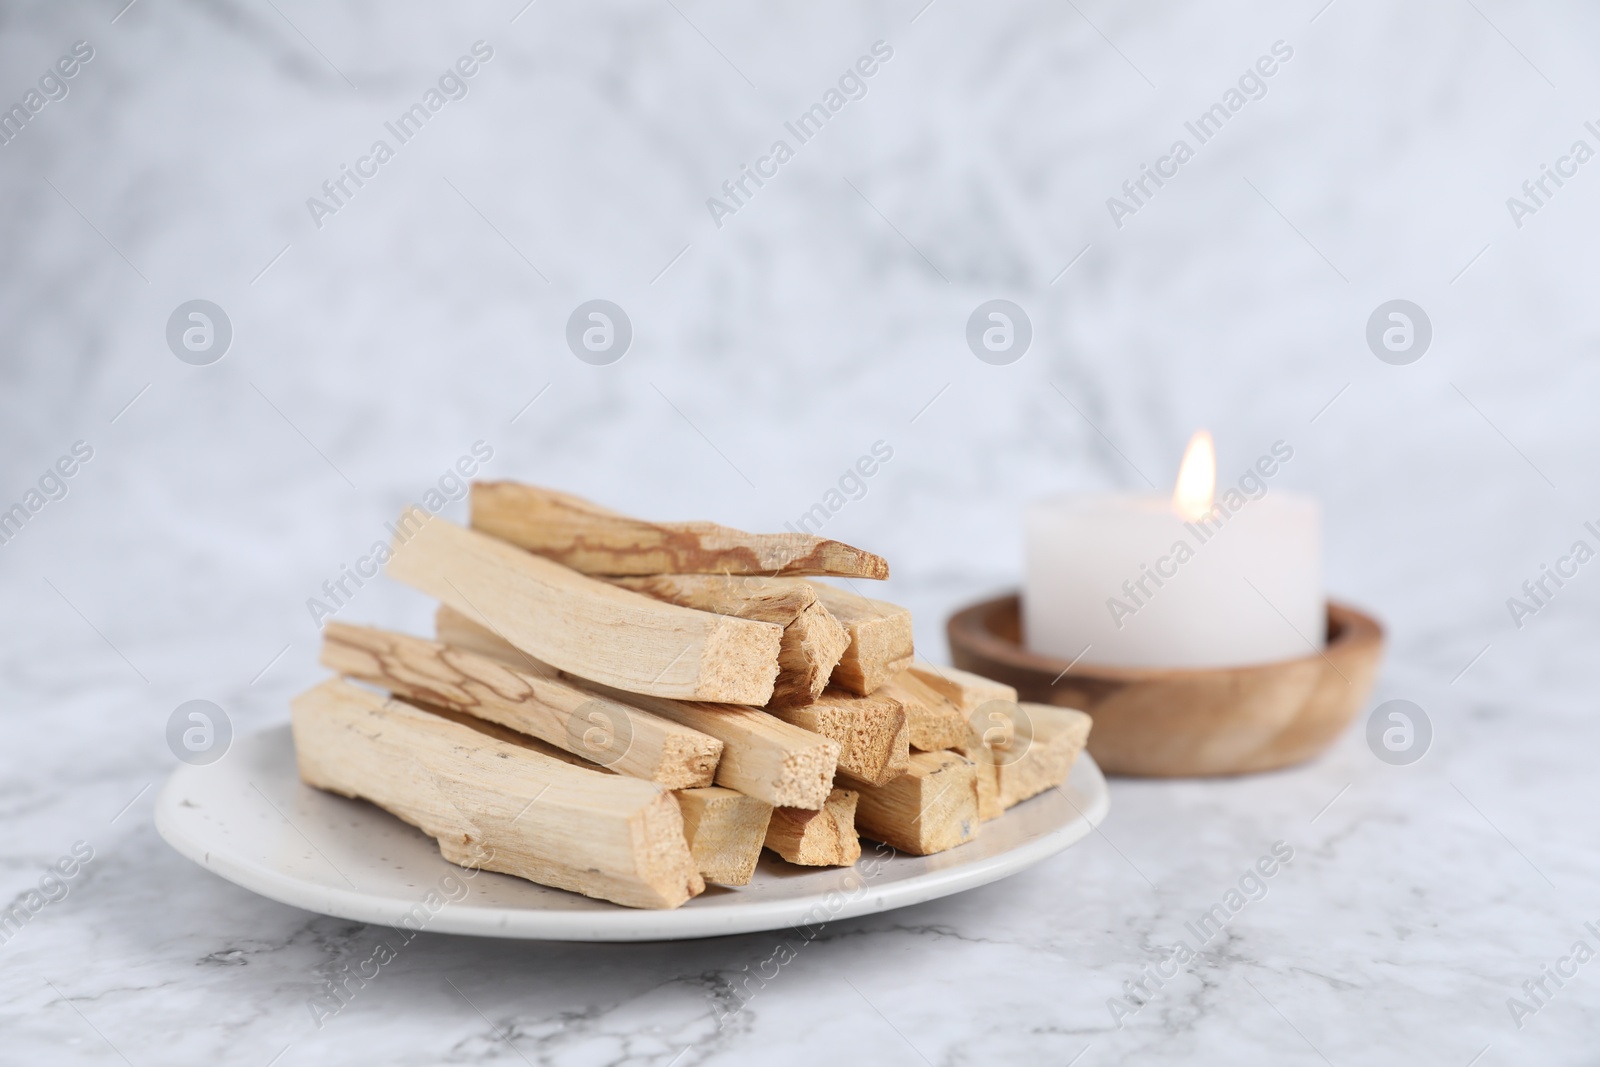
[[966, 690], [745, 596], [812, 646], [587, 627], [880, 639], [762, 756], [726, 830], [497, 805], [824, 838], [813, 640], [874, 744], [930, 808], [607, 732], [596, 540], [456, 630], [932, 719]]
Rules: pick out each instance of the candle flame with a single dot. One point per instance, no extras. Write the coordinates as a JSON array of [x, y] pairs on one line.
[[1197, 479]]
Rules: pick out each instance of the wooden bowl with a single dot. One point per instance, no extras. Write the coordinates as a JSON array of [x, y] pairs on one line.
[[1152, 722]]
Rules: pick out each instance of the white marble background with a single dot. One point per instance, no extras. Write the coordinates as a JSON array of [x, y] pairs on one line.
[[823, 317]]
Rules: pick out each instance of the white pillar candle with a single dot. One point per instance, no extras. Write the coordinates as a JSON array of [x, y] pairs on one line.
[[1136, 580]]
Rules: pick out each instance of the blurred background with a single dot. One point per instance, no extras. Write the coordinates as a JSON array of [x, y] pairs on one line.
[[772, 346]]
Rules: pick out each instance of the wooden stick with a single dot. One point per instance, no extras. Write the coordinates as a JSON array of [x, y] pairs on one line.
[[588, 627], [813, 640], [825, 838], [966, 690], [1035, 751], [1055, 738], [607, 732], [745, 596], [988, 776], [726, 830], [456, 630], [508, 735], [933, 721], [930, 808], [596, 540], [495, 805], [988, 709], [880, 639], [812, 646], [874, 744], [762, 757]]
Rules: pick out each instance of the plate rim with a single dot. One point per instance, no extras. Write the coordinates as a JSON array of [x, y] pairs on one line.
[[627, 924]]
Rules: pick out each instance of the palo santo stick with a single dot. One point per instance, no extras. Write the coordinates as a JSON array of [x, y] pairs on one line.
[[588, 627], [991, 738], [966, 690], [777, 600], [813, 640], [1033, 749], [825, 838], [988, 774], [726, 830], [723, 829], [1056, 737], [988, 711], [932, 807], [933, 721], [596, 540], [812, 646], [874, 744], [609, 733], [880, 639], [509, 736], [496, 805], [457, 631], [762, 757]]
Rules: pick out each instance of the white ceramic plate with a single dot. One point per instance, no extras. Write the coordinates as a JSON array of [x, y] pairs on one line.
[[249, 819]]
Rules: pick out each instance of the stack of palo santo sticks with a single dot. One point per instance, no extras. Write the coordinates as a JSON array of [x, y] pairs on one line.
[[630, 710]]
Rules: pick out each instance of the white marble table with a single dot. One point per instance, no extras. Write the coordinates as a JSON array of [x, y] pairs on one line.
[[823, 316]]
